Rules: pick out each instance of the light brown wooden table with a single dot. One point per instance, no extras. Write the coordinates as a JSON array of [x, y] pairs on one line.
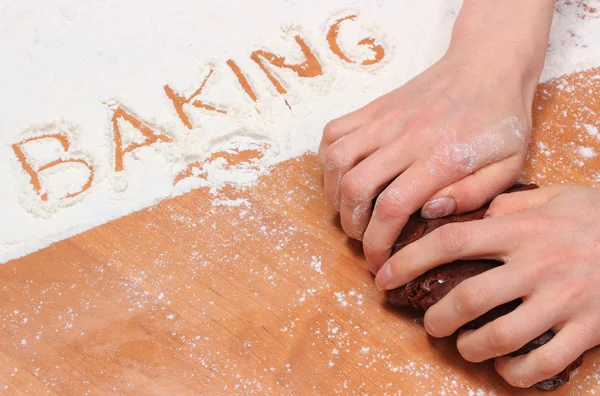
[[189, 298]]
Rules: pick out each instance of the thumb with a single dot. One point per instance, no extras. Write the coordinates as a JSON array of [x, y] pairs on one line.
[[474, 190]]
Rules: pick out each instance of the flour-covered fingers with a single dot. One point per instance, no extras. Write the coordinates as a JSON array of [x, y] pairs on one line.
[[336, 129], [341, 157], [403, 197], [360, 186]]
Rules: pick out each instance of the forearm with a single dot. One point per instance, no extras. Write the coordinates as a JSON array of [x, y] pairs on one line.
[[508, 33]]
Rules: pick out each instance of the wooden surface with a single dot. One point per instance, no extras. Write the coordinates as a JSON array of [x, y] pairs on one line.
[[189, 297]]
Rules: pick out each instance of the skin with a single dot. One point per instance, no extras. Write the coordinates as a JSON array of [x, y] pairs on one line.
[[549, 240], [447, 142], [459, 131]]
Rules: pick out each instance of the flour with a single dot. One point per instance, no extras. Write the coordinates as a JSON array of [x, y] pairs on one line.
[[231, 202], [587, 152], [573, 46], [316, 264], [592, 130], [484, 148], [142, 101]]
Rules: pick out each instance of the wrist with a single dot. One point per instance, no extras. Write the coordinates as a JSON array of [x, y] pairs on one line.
[[510, 37], [484, 60]]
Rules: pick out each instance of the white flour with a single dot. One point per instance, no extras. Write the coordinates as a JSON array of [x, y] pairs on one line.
[[587, 152], [68, 67]]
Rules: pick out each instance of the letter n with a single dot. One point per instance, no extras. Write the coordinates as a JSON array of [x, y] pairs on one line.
[[309, 68]]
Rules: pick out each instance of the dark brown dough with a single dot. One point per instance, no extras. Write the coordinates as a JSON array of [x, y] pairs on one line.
[[432, 286]]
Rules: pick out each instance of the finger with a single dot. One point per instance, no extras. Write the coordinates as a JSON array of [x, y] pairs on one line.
[[523, 200], [342, 156], [348, 123], [511, 332], [548, 360], [474, 297], [475, 190], [362, 184], [403, 197], [481, 239]]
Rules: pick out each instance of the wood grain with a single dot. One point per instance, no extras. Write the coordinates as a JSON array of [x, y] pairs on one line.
[[188, 297]]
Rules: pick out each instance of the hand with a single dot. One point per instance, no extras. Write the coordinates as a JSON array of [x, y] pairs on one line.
[[453, 137], [450, 139], [549, 240]]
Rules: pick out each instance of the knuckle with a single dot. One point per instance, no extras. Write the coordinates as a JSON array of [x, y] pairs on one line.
[[372, 250], [502, 338], [354, 188], [452, 161], [470, 300], [497, 207], [534, 224], [589, 330], [573, 291], [404, 266], [437, 167], [548, 362], [391, 205], [552, 261], [500, 202], [390, 116], [332, 131], [336, 156], [461, 164], [452, 238]]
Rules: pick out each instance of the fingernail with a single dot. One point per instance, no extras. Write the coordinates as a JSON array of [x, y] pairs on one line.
[[384, 277], [438, 208]]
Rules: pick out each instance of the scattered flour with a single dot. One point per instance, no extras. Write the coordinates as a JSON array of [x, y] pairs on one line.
[[587, 152], [231, 202], [592, 130], [136, 106], [350, 299], [316, 264]]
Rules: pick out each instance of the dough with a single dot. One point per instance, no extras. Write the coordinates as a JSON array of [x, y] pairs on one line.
[[430, 287]]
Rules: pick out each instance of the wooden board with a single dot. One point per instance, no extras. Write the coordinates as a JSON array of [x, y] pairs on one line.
[[189, 297]]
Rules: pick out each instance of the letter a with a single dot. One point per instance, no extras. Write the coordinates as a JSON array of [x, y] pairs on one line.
[[151, 136]]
